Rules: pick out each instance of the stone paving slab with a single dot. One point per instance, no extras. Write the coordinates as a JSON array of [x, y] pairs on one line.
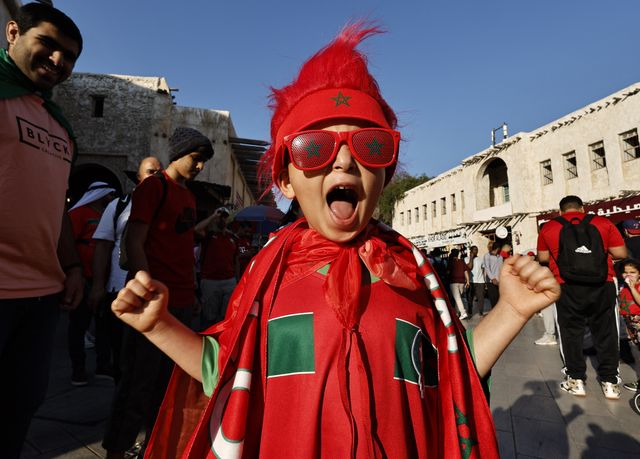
[[546, 422]]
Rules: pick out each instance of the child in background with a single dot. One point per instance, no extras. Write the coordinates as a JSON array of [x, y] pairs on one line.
[[338, 340], [630, 305]]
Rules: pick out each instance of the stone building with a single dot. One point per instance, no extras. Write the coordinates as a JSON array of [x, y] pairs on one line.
[[119, 119], [509, 189]]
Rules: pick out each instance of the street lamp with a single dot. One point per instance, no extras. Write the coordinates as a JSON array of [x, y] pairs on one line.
[[505, 133]]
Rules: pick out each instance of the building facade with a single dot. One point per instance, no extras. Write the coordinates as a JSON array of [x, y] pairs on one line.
[[120, 119], [506, 191]]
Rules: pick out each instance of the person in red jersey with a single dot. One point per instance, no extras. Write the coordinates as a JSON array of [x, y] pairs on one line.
[[338, 340], [85, 216], [584, 303], [246, 249], [629, 297], [219, 267], [159, 239]]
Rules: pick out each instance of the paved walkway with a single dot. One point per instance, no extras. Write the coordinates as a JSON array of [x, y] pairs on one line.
[[534, 419]]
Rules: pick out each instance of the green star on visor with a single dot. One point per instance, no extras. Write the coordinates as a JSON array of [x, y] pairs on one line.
[[313, 149], [341, 99], [375, 147]]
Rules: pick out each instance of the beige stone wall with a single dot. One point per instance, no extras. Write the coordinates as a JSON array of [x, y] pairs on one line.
[[137, 121], [522, 154], [223, 169]]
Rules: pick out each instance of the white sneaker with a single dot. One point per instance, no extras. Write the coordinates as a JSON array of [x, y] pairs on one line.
[[546, 340], [573, 386], [611, 391], [464, 316]]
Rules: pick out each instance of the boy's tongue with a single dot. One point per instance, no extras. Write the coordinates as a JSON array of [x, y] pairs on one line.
[[342, 209]]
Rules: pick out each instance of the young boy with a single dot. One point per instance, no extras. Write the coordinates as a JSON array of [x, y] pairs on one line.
[[332, 345], [159, 240]]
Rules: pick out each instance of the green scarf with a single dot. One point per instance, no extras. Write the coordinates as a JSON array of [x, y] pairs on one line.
[[14, 83]]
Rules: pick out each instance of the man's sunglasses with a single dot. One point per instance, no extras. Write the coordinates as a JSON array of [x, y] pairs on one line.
[[313, 150]]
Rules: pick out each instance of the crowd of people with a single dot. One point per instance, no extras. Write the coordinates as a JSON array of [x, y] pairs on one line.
[[471, 278], [77, 260], [338, 336], [597, 313]]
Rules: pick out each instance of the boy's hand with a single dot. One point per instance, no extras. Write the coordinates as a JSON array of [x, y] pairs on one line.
[[142, 303], [526, 286]]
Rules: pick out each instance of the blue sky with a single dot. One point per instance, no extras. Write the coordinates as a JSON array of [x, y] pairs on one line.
[[452, 70]]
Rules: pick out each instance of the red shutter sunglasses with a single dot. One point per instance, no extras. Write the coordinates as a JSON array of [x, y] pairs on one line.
[[313, 150]]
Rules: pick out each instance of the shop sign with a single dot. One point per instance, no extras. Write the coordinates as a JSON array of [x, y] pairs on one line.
[[452, 237], [616, 210]]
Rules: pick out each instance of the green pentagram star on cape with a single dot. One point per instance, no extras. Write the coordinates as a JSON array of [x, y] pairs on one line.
[[466, 446], [466, 443], [341, 99], [313, 149], [375, 147], [461, 419]]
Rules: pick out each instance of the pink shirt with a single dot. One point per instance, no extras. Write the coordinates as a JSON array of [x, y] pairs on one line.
[[36, 159]]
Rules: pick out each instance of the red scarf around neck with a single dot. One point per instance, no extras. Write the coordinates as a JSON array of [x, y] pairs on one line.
[[310, 251]]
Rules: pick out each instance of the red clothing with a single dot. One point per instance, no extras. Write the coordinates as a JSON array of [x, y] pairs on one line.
[[628, 305], [219, 254], [169, 244], [245, 253], [457, 269], [314, 401], [84, 221], [327, 388], [549, 240]]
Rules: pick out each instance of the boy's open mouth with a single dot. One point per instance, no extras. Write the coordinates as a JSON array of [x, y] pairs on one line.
[[342, 201]]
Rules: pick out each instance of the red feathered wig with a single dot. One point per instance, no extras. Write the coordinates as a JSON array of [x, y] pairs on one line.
[[337, 68]]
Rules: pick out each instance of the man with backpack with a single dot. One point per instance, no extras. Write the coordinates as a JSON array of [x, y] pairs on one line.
[[159, 239], [579, 249], [108, 277]]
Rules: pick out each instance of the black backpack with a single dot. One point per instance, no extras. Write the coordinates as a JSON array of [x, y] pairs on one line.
[[120, 206], [581, 254]]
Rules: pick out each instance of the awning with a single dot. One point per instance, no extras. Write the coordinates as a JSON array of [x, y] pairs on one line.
[[491, 225]]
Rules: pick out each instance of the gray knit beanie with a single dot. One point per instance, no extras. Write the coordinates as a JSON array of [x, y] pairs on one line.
[[186, 140]]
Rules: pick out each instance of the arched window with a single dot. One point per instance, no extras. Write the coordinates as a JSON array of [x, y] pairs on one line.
[[492, 184]]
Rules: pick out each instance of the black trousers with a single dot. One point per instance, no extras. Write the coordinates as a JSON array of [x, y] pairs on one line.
[[27, 332], [590, 306], [109, 328], [493, 292], [79, 321], [145, 375], [476, 291]]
